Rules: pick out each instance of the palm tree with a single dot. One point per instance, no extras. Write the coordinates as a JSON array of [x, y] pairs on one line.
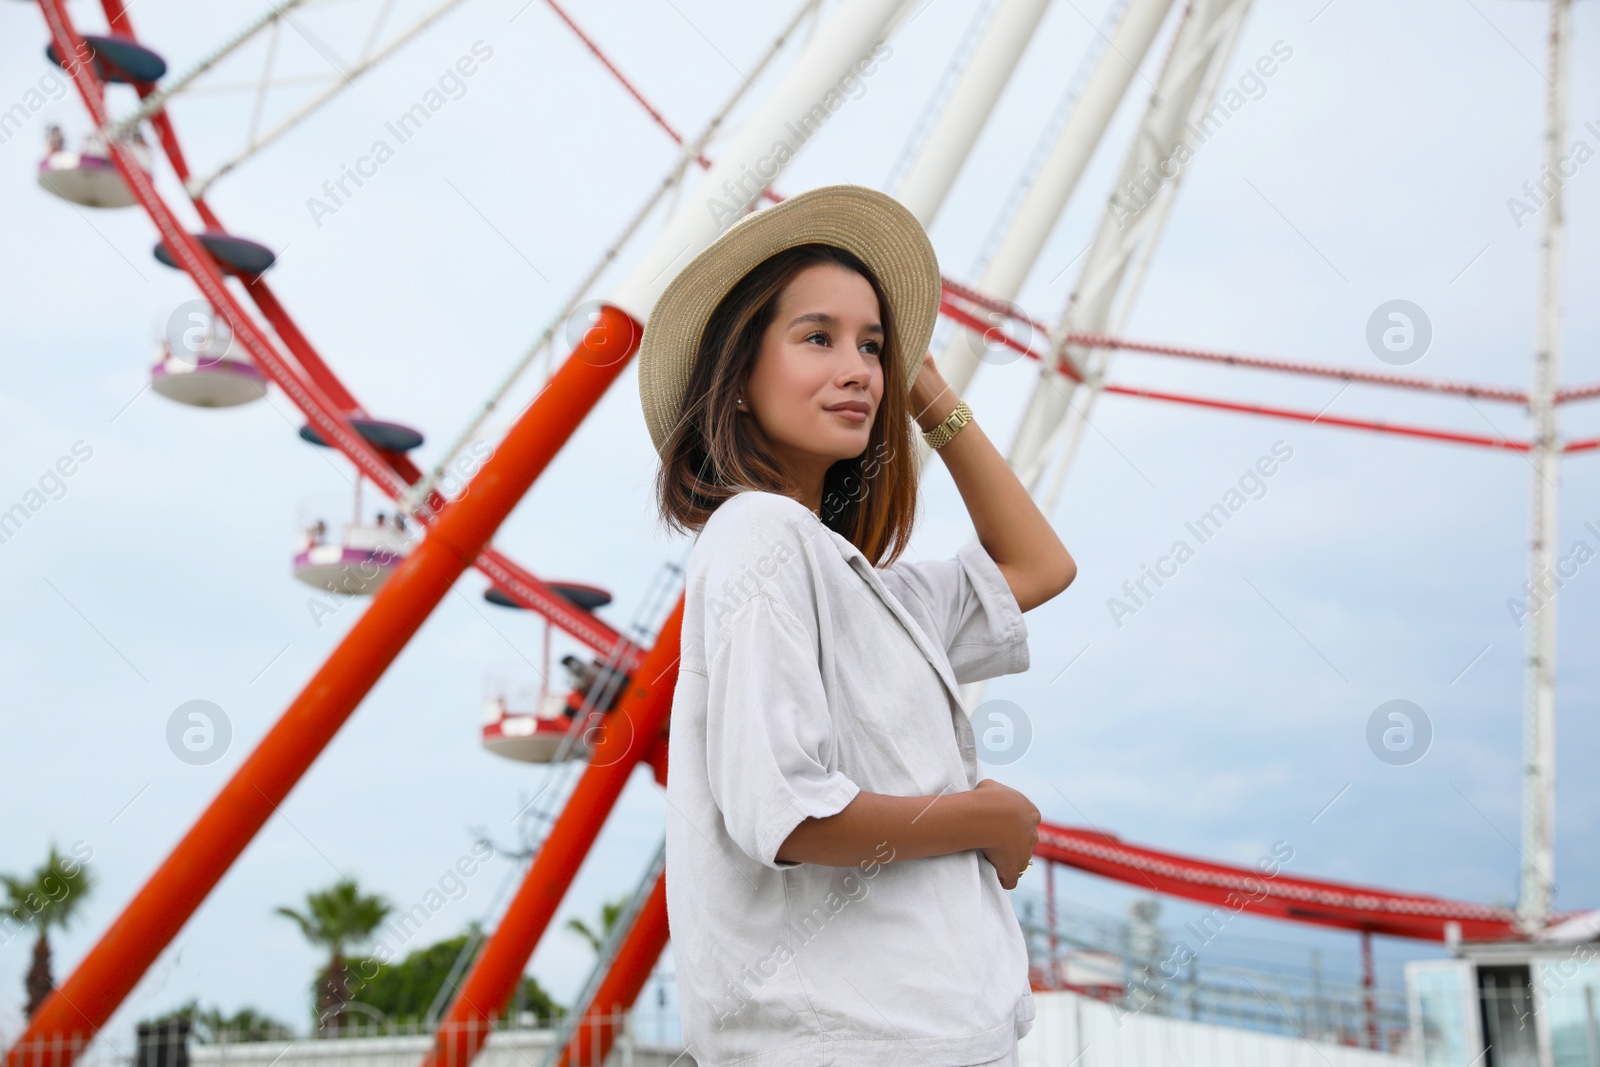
[[246, 1024], [336, 919], [212, 1026], [609, 913], [46, 899]]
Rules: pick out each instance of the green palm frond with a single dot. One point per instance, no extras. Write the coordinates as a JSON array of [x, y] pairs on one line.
[[48, 898], [339, 916]]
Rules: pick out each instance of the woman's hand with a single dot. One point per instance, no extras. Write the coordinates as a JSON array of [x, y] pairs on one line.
[[1013, 824]]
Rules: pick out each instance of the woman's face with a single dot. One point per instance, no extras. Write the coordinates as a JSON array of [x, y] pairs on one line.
[[821, 356]]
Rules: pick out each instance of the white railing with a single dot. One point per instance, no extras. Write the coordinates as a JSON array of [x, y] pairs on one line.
[[1083, 1032], [639, 1038]]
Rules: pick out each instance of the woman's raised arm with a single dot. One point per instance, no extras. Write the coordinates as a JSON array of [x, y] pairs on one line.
[[1010, 526]]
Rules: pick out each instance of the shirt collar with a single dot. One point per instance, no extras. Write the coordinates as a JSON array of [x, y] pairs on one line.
[[856, 559]]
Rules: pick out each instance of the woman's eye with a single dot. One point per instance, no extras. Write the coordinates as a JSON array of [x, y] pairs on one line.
[[872, 347]]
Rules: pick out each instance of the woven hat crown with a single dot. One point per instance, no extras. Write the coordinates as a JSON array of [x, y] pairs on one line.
[[875, 227]]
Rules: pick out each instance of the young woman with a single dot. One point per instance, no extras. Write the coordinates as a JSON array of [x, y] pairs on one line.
[[836, 870]]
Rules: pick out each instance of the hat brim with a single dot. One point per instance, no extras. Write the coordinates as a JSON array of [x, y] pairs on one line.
[[874, 226]]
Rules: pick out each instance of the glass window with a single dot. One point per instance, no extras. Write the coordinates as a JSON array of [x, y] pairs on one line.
[[1570, 996], [1442, 1024]]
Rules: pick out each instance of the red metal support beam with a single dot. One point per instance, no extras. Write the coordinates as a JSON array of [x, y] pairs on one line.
[[993, 334], [630, 732], [86, 1000], [1275, 894], [1578, 392], [1472, 390], [302, 351], [117, 20], [1369, 989], [1331, 420], [641, 948]]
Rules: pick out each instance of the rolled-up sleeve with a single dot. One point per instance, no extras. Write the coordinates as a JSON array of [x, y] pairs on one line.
[[966, 605], [769, 733]]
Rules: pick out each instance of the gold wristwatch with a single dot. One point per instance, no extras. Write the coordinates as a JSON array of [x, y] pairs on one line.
[[941, 434]]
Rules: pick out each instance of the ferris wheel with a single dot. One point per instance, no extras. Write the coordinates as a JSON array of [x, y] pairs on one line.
[[218, 355]]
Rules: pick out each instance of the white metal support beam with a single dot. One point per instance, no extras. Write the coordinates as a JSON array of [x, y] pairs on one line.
[[928, 181], [1539, 700], [1053, 186], [763, 147], [1153, 170]]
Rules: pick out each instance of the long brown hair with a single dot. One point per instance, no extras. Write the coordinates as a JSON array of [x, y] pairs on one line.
[[709, 456]]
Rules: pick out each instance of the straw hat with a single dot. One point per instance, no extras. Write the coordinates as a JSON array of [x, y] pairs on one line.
[[876, 227]]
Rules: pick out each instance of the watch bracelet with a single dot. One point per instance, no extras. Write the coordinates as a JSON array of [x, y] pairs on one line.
[[942, 434]]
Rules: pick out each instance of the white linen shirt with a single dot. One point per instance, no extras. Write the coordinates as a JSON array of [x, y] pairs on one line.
[[806, 676]]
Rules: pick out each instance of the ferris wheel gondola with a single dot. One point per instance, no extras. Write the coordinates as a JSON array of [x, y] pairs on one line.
[[584, 597], [359, 561], [236, 255], [380, 433], [221, 381], [535, 734], [531, 737], [117, 59], [87, 177]]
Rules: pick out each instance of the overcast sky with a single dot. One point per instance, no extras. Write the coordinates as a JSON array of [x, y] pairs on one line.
[[1228, 713]]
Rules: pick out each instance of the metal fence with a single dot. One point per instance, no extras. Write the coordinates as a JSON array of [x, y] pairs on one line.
[[639, 1038], [1137, 971]]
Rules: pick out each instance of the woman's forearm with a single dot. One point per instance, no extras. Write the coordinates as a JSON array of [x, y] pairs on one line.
[[877, 827], [1010, 526]]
